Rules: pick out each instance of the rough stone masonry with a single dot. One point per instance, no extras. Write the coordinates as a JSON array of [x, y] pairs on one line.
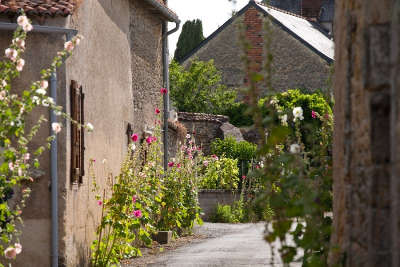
[[367, 131]]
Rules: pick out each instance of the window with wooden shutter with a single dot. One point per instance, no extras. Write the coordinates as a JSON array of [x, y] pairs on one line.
[[77, 133]]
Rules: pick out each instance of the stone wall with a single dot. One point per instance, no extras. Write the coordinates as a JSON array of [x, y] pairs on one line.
[[203, 127], [294, 64], [367, 131], [209, 199]]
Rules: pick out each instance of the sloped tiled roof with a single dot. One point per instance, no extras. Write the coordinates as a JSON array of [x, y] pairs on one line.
[[303, 29], [38, 7]]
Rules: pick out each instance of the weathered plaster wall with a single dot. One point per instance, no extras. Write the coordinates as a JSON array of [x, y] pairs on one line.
[[366, 162], [294, 65], [102, 65]]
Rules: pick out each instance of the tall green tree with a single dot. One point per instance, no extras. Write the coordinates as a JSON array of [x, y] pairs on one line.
[[191, 36]]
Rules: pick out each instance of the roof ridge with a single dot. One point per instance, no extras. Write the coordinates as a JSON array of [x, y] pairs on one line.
[[282, 10]]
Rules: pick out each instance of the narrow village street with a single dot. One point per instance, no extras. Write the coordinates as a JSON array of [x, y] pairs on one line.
[[226, 245]]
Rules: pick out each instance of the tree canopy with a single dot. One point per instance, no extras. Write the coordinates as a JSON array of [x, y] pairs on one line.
[[191, 36]]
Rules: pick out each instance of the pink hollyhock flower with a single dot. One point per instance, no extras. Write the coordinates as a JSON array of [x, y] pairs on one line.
[[20, 43], [3, 95], [11, 166], [20, 64], [163, 91], [154, 138], [313, 114], [157, 111], [205, 163], [243, 177], [44, 84], [69, 46], [214, 157], [171, 164], [134, 198], [178, 165], [11, 54], [149, 140], [134, 137], [10, 253], [18, 248], [22, 20], [137, 213], [99, 202]]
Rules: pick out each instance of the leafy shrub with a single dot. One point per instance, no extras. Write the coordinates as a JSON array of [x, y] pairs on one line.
[[238, 115], [219, 173], [230, 148], [200, 89], [234, 213]]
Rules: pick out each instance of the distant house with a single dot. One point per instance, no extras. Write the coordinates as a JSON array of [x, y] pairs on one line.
[[302, 50], [113, 80], [321, 11]]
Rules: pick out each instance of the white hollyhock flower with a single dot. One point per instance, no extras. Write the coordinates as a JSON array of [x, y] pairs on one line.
[[90, 127], [283, 119], [298, 114], [56, 127], [3, 83], [41, 91], [294, 149], [36, 100], [18, 248], [47, 102]]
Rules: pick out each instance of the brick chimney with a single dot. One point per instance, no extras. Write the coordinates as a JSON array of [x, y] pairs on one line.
[[253, 21], [310, 8]]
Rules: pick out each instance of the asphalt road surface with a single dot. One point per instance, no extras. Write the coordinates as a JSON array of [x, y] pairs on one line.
[[229, 245]]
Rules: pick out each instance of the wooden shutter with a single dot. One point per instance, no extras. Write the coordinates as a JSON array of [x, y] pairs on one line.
[[82, 134], [77, 134]]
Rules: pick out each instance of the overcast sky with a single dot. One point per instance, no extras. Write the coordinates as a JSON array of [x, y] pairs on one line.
[[213, 13]]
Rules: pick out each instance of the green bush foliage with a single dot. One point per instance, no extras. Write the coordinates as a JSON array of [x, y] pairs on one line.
[[199, 89], [230, 148], [219, 173]]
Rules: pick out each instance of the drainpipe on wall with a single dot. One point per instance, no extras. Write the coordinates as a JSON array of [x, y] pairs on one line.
[[54, 143], [162, 8]]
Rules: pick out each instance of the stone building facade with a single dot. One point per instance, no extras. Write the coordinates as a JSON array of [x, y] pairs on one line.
[[302, 52], [119, 67], [367, 133]]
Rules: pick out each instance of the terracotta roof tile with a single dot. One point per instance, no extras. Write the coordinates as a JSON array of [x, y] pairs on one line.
[[38, 7]]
